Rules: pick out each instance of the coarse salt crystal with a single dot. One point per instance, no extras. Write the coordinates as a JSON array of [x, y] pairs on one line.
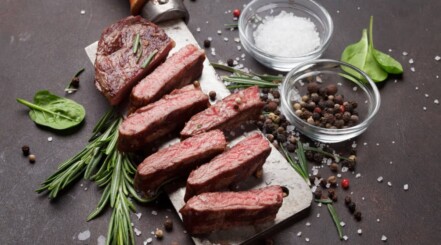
[[437, 58], [380, 179], [295, 35], [383, 238], [406, 187], [411, 61]]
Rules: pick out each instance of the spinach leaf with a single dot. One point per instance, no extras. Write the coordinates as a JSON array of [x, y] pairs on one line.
[[360, 55], [53, 111]]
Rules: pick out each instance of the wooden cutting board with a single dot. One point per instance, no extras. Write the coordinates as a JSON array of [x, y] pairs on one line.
[[276, 170]]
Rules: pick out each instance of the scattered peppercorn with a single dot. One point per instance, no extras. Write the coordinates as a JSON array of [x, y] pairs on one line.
[[348, 200], [236, 13], [168, 225], [26, 150], [230, 62], [207, 43], [159, 234], [212, 95], [345, 183], [32, 158], [357, 215]]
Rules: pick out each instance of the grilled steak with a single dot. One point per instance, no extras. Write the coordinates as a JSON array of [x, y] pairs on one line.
[[155, 120], [212, 211], [180, 69], [178, 160], [117, 68], [226, 114], [229, 168]]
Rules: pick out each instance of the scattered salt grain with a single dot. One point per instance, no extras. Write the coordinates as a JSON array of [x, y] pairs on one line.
[[49, 139], [219, 32], [101, 240], [299, 234], [380, 179], [436, 101], [295, 35], [137, 232], [154, 212], [84, 235], [412, 69], [389, 183], [437, 58], [83, 11], [383, 238], [406, 187], [405, 53], [359, 231], [411, 61]]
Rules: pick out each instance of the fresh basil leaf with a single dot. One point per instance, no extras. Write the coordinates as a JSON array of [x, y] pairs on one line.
[[388, 63], [53, 111]]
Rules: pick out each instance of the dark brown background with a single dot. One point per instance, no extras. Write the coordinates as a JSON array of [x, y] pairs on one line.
[[42, 47]]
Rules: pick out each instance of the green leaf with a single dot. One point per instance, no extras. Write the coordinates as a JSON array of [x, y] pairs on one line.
[[53, 111], [388, 63]]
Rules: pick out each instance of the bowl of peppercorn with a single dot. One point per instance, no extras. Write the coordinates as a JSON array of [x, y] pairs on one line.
[[328, 100], [283, 33]]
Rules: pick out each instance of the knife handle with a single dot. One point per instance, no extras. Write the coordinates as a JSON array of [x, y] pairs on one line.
[[163, 10]]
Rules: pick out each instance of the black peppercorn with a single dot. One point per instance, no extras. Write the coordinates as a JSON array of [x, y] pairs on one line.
[[75, 83], [348, 200], [168, 225], [230, 62], [357, 215], [318, 194], [26, 150], [207, 43], [351, 207]]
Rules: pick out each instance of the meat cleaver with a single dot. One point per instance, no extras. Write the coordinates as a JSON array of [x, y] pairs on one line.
[[171, 15]]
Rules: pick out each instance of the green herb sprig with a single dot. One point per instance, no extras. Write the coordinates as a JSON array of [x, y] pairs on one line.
[[363, 55]]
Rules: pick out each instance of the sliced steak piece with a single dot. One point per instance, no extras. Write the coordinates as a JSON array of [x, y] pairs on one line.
[[230, 167], [180, 69], [117, 68], [212, 211], [155, 120], [226, 114], [178, 160]]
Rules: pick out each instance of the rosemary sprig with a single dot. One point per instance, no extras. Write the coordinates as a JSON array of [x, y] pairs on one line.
[[336, 220], [321, 151], [149, 58], [296, 165]]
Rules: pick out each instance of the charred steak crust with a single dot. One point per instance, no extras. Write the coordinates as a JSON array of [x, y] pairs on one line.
[[178, 160], [117, 68], [230, 167], [212, 211], [226, 114], [181, 69], [156, 120]]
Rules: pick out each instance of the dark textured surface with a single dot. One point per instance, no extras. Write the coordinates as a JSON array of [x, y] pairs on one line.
[[42, 47]]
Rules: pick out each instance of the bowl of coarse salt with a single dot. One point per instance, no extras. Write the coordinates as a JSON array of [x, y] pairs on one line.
[[281, 34]]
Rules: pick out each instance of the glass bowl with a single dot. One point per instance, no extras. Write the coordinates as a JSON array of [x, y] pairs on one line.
[[258, 10], [324, 71]]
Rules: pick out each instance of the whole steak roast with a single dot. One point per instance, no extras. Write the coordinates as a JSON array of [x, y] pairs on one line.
[[117, 67]]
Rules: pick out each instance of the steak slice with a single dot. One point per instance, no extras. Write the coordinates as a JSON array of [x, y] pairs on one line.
[[212, 211], [155, 120], [230, 167], [226, 114], [117, 68], [178, 160], [180, 69]]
